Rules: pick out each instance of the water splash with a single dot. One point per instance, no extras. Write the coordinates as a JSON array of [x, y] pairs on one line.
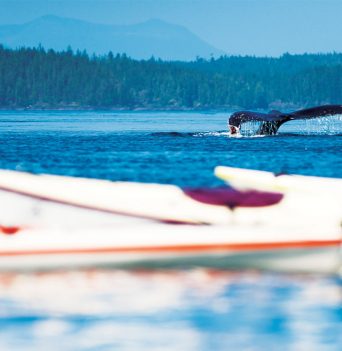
[[250, 128], [329, 125], [324, 125], [215, 134]]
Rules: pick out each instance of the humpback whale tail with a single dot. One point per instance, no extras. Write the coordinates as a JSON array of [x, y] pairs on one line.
[[271, 122]]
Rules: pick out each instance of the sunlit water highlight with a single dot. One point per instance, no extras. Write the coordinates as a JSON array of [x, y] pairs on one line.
[[193, 309]]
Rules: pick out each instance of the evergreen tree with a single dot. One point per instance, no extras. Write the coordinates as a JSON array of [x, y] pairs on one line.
[[39, 78]]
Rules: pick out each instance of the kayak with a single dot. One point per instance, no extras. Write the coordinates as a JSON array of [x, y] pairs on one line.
[[56, 222]]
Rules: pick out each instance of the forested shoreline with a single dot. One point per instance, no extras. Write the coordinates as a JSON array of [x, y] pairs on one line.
[[34, 78]]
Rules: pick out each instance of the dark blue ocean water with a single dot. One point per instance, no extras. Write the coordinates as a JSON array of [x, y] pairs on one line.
[[179, 148], [165, 310]]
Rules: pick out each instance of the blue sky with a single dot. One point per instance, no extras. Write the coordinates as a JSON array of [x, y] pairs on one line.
[[257, 27]]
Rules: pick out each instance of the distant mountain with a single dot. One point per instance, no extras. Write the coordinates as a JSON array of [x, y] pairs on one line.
[[141, 41]]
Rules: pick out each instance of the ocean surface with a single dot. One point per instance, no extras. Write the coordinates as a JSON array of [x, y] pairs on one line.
[[190, 309]]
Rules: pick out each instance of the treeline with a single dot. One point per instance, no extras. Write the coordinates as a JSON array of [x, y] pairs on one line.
[[38, 78]]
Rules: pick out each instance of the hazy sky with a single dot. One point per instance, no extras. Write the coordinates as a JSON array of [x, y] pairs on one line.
[[260, 27]]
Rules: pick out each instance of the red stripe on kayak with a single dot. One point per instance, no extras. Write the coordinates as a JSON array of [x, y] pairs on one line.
[[180, 248]]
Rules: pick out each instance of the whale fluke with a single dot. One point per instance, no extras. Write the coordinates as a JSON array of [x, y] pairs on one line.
[[319, 111], [270, 122]]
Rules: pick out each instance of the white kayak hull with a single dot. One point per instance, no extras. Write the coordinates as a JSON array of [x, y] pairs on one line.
[[160, 245]]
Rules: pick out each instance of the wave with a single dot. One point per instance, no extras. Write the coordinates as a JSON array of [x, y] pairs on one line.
[[285, 133], [190, 134], [173, 134]]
